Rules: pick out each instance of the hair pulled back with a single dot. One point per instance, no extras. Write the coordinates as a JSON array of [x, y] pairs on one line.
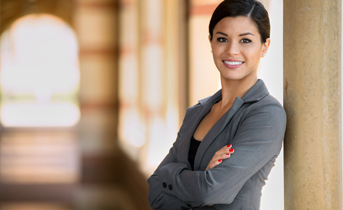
[[248, 8]]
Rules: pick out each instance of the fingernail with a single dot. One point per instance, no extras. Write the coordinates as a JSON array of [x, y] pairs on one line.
[[229, 145], [231, 150], [228, 154], [220, 160]]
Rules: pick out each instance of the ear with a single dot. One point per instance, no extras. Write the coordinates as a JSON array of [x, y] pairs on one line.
[[209, 39], [265, 46]]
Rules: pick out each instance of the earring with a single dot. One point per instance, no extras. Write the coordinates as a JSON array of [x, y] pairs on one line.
[[263, 55]]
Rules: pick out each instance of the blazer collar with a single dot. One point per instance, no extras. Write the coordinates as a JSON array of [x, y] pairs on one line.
[[255, 93]]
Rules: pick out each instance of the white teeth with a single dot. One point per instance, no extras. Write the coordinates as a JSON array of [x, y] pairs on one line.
[[232, 62]]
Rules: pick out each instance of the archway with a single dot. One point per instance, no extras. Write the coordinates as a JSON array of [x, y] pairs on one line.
[[39, 73]]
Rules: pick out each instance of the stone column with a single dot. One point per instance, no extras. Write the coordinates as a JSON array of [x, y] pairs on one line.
[[312, 99], [96, 26]]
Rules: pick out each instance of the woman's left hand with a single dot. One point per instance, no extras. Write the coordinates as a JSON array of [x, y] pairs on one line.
[[219, 156]]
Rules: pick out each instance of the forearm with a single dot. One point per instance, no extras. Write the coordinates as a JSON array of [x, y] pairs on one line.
[[198, 188], [165, 201], [159, 200]]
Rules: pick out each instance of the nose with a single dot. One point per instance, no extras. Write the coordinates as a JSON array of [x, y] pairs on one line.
[[232, 49]]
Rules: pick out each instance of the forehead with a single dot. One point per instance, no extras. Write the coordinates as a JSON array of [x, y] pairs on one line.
[[236, 25]]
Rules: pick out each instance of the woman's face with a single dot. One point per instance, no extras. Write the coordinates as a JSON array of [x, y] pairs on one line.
[[237, 48]]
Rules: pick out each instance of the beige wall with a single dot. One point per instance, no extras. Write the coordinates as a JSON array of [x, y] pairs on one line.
[[152, 84], [203, 75]]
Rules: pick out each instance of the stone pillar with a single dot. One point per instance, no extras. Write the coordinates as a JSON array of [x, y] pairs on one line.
[[96, 26], [312, 99]]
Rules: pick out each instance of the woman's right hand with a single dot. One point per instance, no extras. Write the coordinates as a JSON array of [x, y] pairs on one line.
[[219, 156]]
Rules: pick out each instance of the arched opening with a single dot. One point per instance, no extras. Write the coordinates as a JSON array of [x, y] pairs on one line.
[[39, 81], [39, 73]]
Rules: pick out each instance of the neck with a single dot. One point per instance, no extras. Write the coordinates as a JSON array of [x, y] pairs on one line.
[[235, 88]]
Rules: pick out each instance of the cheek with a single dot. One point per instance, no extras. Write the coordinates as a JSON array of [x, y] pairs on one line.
[[215, 49], [254, 54], [216, 54]]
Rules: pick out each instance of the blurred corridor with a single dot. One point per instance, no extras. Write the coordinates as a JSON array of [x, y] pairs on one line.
[[68, 169], [93, 93]]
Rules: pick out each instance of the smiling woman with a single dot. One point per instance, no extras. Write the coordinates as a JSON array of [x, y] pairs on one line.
[[237, 48], [228, 142]]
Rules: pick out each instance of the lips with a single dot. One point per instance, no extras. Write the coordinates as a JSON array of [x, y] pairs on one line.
[[233, 64]]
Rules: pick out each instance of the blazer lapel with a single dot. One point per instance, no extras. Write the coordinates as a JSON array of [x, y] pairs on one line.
[[215, 131], [256, 93], [205, 107]]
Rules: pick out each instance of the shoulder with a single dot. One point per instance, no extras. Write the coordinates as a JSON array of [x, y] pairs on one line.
[[267, 109], [208, 101], [192, 112], [272, 104]]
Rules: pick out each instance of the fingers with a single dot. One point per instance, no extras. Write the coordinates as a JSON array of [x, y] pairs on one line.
[[214, 163], [222, 154], [224, 151]]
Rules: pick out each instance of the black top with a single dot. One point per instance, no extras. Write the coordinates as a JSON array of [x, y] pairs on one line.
[[193, 148]]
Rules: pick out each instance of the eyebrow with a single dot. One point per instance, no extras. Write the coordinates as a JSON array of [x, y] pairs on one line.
[[221, 33], [244, 34], [247, 33]]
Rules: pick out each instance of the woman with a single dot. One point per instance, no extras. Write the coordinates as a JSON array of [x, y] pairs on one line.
[[228, 142]]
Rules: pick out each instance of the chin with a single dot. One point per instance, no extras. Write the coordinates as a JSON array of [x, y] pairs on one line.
[[232, 77]]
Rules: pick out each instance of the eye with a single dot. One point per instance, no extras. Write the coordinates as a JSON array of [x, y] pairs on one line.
[[245, 41], [221, 39]]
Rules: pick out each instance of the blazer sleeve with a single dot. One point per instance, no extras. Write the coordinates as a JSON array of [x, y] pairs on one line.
[[258, 138], [158, 199]]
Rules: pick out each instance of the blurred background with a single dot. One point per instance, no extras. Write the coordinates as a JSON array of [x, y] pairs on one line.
[[93, 92]]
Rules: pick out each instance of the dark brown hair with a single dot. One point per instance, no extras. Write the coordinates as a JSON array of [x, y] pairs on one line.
[[248, 8]]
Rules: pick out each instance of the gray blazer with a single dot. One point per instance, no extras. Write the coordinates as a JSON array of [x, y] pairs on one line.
[[255, 126]]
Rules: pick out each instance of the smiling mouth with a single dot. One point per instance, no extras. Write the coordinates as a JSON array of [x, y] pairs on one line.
[[233, 63]]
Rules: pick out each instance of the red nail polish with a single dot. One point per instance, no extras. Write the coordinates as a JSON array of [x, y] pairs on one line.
[[231, 150], [228, 154], [229, 145], [220, 160]]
